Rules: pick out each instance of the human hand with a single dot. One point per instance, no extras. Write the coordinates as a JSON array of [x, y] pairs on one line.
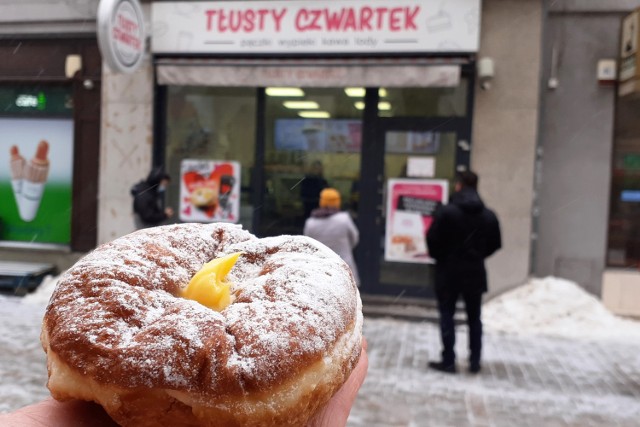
[[51, 413], [336, 411], [168, 212]]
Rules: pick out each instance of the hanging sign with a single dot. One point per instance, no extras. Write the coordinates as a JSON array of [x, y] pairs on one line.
[[121, 34], [410, 207], [305, 26], [209, 191]]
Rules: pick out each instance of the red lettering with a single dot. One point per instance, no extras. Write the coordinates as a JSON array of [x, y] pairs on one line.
[[380, 11], [262, 13], [301, 18], [410, 23], [126, 38], [236, 24], [350, 22], [365, 18], [249, 21], [394, 19], [316, 14], [222, 17], [210, 14], [277, 17], [333, 19]]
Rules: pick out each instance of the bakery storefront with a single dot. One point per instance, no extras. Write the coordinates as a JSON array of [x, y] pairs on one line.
[[268, 101]]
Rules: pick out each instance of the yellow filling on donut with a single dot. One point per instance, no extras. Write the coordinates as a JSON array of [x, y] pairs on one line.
[[208, 286]]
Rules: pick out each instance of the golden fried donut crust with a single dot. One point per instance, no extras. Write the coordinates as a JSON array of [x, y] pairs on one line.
[[116, 321]]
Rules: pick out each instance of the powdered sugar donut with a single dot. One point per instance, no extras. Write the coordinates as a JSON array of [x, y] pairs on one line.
[[117, 331]]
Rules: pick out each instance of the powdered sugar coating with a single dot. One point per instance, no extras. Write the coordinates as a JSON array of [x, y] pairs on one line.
[[116, 317]]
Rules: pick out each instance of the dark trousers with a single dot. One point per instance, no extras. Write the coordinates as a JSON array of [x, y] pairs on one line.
[[447, 299]]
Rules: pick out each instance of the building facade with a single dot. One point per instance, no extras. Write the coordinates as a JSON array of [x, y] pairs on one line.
[[169, 112]]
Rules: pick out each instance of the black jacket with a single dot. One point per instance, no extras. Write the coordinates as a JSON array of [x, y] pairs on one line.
[[147, 200], [462, 235]]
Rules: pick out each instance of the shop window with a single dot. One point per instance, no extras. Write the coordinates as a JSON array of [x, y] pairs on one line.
[[36, 173], [424, 101], [312, 140], [624, 218], [217, 126]]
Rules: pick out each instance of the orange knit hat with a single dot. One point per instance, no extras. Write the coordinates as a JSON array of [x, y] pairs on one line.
[[330, 198]]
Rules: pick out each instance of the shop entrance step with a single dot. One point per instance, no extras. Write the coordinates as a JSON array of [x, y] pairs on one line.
[[22, 277]]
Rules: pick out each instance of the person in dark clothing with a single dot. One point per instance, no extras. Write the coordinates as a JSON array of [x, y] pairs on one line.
[[148, 199], [310, 188], [463, 234]]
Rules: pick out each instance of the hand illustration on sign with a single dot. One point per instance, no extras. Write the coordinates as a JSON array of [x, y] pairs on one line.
[[28, 179]]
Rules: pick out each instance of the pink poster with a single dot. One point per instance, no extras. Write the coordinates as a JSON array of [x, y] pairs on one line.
[[410, 207], [209, 191]]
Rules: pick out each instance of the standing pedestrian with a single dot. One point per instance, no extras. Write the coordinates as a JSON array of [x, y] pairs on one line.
[[333, 227], [148, 199], [463, 234]]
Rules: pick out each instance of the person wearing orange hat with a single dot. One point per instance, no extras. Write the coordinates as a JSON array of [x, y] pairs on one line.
[[330, 225]]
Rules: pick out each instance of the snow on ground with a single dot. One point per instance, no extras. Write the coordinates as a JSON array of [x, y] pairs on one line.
[[530, 377], [557, 307]]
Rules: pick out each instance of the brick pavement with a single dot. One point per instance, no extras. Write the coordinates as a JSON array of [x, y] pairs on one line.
[[526, 381]]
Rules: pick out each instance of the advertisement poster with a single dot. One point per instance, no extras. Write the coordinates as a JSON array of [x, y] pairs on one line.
[[35, 180], [332, 136], [209, 191], [410, 207]]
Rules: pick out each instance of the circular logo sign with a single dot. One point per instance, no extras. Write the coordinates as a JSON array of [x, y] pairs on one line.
[[121, 34]]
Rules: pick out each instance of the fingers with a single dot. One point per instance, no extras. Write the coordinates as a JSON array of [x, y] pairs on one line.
[[51, 413], [337, 410]]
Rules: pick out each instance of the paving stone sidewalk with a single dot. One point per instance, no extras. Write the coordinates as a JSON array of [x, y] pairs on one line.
[[525, 381]]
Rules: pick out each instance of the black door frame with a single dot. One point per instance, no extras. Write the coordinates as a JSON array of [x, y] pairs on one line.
[[372, 172]]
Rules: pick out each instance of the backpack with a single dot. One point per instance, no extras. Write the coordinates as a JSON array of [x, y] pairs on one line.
[[138, 188]]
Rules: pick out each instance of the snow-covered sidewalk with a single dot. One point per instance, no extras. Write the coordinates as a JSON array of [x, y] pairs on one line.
[[536, 372]]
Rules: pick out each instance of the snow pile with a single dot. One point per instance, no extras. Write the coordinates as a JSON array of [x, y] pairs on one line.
[[554, 306], [43, 292]]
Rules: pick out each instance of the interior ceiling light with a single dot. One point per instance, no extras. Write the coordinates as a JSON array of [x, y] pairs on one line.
[[382, 106], [284, 91], [355, 92], [358, 92], [301, 105], [314, 114]]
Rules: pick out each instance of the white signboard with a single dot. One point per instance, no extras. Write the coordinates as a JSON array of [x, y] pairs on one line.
[[121, 34], [209, 191], [341, 26]]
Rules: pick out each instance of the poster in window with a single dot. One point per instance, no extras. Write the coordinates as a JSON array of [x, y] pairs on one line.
[[209, 191], [410, 207], [318, 135], [35, 180]]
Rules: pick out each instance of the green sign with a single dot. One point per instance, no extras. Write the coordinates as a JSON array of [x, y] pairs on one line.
[[34, 101]]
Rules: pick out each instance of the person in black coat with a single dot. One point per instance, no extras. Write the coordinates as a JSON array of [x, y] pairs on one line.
[[148, 199], [463, 234]]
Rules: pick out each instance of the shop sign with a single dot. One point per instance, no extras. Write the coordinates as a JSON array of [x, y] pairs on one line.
[[35, 180], [410, 207], [305, 26], [121, 34], [209, 191]]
